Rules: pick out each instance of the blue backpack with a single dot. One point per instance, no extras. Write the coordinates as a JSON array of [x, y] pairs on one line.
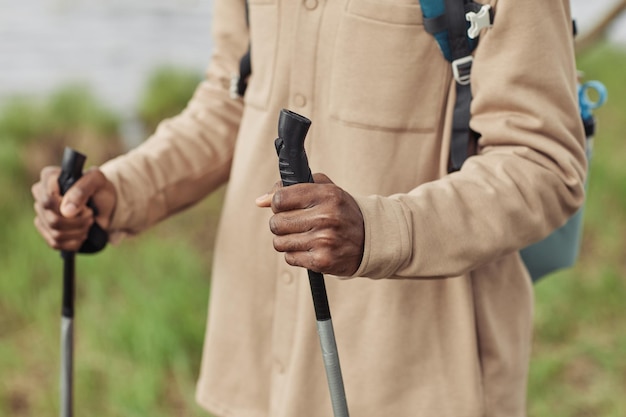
[[456, 25]]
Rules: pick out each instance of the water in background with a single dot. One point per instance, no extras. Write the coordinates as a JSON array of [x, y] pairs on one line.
[[112, 45]]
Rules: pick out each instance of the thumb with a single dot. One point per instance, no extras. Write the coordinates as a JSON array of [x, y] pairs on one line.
[[75, 199], [265, 200]]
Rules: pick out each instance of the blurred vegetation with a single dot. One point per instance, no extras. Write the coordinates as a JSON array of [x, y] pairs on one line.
[[141, 306], [72, 110], [166, 94], [578, 367], [34, 132]]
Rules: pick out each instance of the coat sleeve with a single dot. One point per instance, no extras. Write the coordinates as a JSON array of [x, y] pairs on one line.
[[189, 155], [528, 176]]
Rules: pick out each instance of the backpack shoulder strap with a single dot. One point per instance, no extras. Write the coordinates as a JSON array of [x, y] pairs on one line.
[[239, 82], [455, 25]]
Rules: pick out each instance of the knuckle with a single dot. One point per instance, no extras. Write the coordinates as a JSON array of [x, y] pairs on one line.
[[277, 200], [273, 226], [327, 239], [34, 189], [55, 235], [54, 244], [38, 226], [40, 195], [49, 171], [277, 185], [321, 260], [291, 259], [327, 220], [277, 243], [48, 204], [52, 220], [334, 194]]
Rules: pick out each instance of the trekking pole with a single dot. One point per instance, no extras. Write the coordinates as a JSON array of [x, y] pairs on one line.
[[71, 171], [67, 334], [294, 169]]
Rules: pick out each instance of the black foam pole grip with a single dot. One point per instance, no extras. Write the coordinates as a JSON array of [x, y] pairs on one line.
[[292, 161], [71, 170], [293, 166]]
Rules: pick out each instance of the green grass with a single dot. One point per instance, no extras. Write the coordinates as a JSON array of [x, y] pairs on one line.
[[578, 367], [140, 314], [141, 306]]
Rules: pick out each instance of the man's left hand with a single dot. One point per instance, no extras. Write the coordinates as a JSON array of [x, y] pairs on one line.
[[318, 226]]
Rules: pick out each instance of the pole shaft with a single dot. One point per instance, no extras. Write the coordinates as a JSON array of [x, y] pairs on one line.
[[333, 369], [68, 283], [67, 335], [67, 366]]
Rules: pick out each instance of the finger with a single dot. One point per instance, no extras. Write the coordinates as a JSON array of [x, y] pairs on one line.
[[291, 222], [297, 259], [45, 233], [75, 199], [46, 190], [43, 198], [69, 243], [53, 220], [311, 260], [318, 242], [50, 181], [50, 178], [63, 236], [265, 200], [321, 262], [299, 196], [292, 243], [294, 197]]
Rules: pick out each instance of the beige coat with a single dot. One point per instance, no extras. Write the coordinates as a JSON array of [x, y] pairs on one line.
[[444, 328]]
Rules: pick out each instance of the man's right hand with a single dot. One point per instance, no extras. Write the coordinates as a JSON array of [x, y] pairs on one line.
[[64, 221]]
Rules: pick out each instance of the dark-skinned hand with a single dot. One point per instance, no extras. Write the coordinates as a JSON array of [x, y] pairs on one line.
[[64, 222], [317, 226]]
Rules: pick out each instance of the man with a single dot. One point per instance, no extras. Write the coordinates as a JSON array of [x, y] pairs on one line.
[[431, 304]]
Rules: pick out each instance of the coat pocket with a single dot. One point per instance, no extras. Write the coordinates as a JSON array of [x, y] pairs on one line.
[[263, 19], [388, 71]]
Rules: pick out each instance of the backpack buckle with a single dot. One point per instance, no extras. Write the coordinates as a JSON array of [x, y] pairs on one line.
[[234, 89], [478, 21], [462, 68]]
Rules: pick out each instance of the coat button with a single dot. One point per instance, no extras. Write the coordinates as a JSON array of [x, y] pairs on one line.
[[299, 100], [311, 4], [287, 277]]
